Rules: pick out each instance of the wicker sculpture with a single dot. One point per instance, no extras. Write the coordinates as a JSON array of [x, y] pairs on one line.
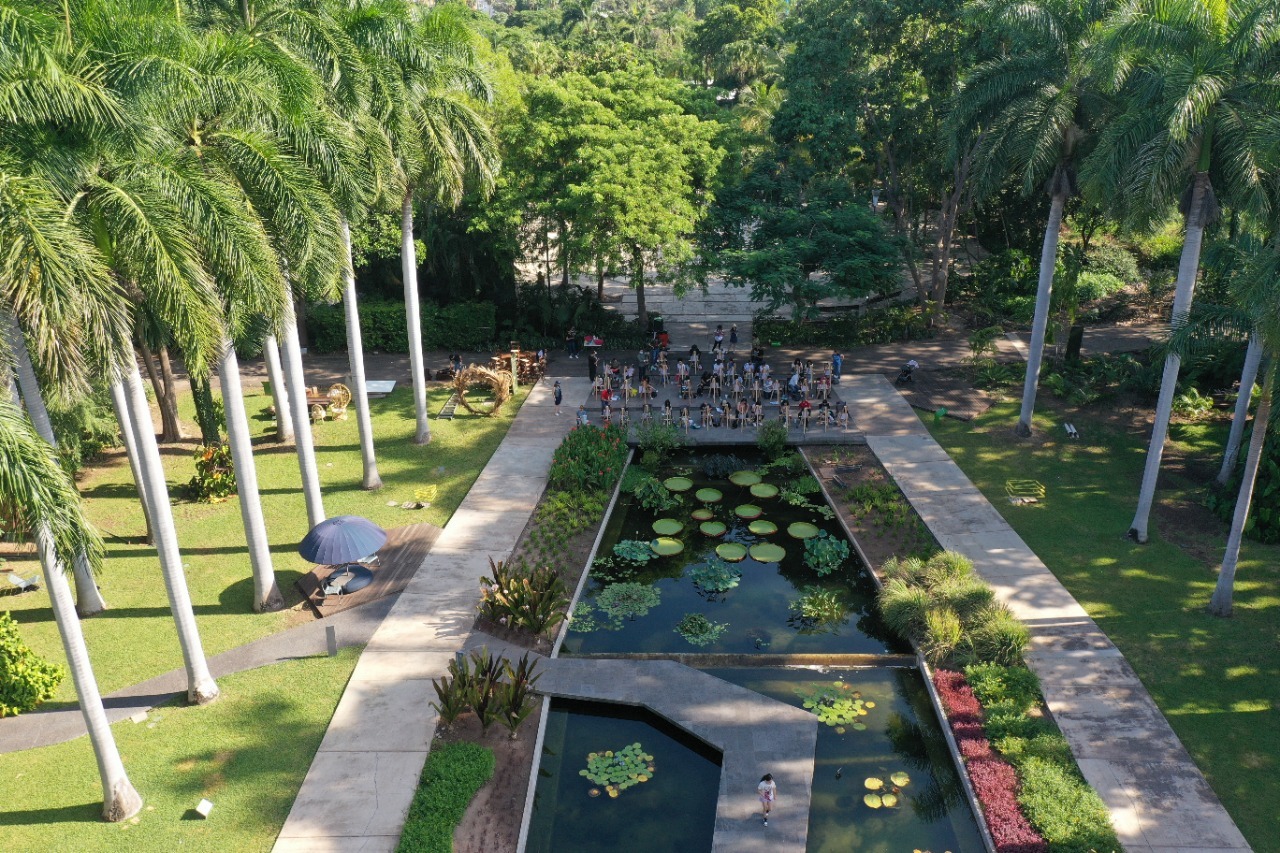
[[499, 381]]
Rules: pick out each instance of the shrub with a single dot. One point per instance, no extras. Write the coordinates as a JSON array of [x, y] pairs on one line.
[[26, 679], [718, 466], [450, 779], [997, 636], [943, 632], [772, 439], [877, 326], [384, 326], [657, 442], [967, 596], [999, 685], [1192, 405], [1092, 286], [1264, 515], [1163, 249], [533, 600], [84, 426], [215, 478], [589, 459], [1113, 260]]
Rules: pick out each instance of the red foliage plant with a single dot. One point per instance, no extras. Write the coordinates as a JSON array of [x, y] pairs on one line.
[[994, 780]]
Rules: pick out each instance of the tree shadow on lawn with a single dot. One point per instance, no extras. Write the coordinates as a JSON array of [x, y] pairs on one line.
[[85, 813]]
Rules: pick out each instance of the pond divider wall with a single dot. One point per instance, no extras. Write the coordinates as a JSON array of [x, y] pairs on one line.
[[555, 650], [698, 660], [956, 758]]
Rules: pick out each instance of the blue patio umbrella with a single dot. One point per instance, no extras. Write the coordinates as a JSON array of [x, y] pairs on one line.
[[341, 539]]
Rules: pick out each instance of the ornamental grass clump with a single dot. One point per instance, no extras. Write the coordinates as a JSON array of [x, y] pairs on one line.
[[948, 612]]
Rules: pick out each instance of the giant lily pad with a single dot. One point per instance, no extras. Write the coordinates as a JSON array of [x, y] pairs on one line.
[[803, 530], [874, 784], [764, 490], [708, 496], [900, 779], [744, 478], [678, 484], [873, 800], [747, 511], [713, 528], [667, 527], [702, 514], [731, 552], [767, 552], [762, 527], [889, 800], [665, 546]]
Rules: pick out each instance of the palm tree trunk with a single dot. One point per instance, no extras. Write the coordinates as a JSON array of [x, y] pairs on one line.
[[1039, 325], [1220, 603], [266, 595], [169, 403], [120, 800], [169, 429], [1188, 266], [355, 352], [120, 402], [301, 417], [409, 265], [201, 688], [89, 598], [279, 394], [1252, 356]]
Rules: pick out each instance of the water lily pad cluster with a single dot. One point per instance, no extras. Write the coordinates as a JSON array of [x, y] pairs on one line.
[[716, 576], [698, 630], [825, 553], [626, 601], [635, 550], [837, 704], [883, 796], [620, 770]]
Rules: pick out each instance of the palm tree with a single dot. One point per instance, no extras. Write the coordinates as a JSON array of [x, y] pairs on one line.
[[279, 393], [1027, 107], [1191, 75], [1257, 293], [39, 495], [1248, 378]]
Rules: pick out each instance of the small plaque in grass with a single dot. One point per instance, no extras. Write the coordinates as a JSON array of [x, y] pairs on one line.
[[678, 484], [731, 552], [713, 528], [744, 478], [667, 527], [666, 546]]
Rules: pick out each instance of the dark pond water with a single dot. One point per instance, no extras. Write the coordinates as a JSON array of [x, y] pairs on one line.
[[674, 810], [760, 614], [901, 736]]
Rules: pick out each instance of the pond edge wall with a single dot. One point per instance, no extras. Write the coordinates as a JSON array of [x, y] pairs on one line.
[[970, 795]]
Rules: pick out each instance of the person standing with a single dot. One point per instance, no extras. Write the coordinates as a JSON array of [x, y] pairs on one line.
[[593, 364], [767, 791], [571, 342], [837, 364], [733, 335], [559, 396]]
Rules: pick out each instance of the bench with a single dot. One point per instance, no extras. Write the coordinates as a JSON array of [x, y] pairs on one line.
[[24, 584], [337, 584]]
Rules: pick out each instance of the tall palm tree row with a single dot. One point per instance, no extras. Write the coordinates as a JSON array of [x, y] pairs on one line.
[[1192, 81]]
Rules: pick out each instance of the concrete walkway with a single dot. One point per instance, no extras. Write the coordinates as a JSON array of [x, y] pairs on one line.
[[43, 728], [1159, 800], [360, 785], [754, 733]]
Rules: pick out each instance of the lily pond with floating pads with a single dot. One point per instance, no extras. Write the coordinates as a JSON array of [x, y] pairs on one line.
[[740, 550]]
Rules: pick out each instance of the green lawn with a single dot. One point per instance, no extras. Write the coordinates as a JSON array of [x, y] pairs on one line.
[[53, 798], [1216, 680], [135, 639]]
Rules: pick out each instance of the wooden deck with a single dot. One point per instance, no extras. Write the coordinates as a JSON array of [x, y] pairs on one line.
[[397, 561]]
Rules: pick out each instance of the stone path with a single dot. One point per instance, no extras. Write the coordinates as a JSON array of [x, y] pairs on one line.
[[360, 785], [1159, 800], [43, 728]]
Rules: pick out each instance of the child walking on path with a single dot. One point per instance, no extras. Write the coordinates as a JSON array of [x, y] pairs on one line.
[[559, 397], [767, 790]]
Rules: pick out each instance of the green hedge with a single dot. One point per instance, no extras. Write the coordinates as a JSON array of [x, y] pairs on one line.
[[385, 328], [26, 679], [877, 326], [451, 777]]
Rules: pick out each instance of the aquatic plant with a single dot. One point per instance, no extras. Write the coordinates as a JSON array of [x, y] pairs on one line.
[[835, 703], [635, 550], [716, 576], [825, 553], [627, 601], [699, 630], [656, 497], [583, 619], [620, 770], [818, 611], [718, 466]]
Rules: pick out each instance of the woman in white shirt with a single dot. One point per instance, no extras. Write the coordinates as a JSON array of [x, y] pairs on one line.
[[767, 790]]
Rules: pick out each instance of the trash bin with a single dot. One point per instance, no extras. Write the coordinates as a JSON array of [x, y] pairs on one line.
[[656, 325], [939, 414]]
